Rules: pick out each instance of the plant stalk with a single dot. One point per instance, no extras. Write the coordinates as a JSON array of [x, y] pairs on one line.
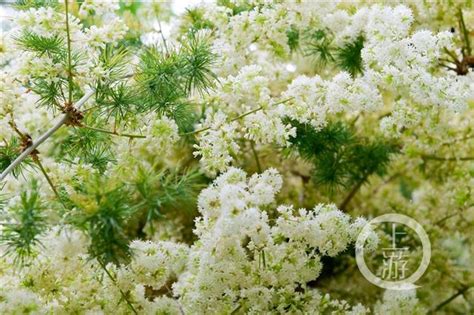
[[43, 137]]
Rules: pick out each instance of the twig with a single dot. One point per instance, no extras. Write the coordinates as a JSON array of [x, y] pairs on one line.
[[452, 215], [124, 296], [446, 218], [464, 32], [69, 62], [351, 194], [44, 137], [255, 154], [449, 300], [236, 118], [115, 133], [458, 139], [231, 120], [437, 158], [48, 179], [163, 38], [388, 180]]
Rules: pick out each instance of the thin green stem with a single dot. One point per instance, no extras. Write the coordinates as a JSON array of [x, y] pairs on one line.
[[69, 58], [437, 158], [447, 217], [451, 54], [235, 118], [124, 296], [388, 180], [114, 133], [48, 179], [255, 154], [458, 139], [163, 38], [231, 120], [351, 194], [464, 32]]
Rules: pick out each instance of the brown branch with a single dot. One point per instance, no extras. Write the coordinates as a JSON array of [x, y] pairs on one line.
[[114, 133], [437, 158], [388, 180], [450, 299], [351, 194]]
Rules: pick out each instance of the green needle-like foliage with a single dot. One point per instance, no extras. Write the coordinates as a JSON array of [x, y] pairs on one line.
[[160, 79], [198, 59], [349, 57], [102, 212], [164, 191], [41, 44], [20, 234], [311, 142], [318, 44], [49, 92], [116, 102], [166, 79], [193, 20], [28, 4], [370, 157], [9, 151], [184, 116], [341, 159], [115, 60], [115, 98], [293, 35], [88, 146]]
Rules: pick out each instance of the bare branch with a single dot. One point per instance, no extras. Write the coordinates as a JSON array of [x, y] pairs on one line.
[[44, 137]]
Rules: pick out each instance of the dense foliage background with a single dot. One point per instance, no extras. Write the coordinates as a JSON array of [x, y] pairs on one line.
[[223, 159]]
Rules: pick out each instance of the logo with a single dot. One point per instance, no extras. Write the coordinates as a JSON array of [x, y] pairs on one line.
[[394, 272]]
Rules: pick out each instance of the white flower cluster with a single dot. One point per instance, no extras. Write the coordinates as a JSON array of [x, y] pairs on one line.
[[110, 33], [50, 23], [217, 143], [155, 263], [247, 258], [268, 127], [244, 91], [397, 65], [97, 8], [19, 104], [312, 99], [252, 252], [402, 116], [404, 64], [162, 133], [264, 26], [399, 302]]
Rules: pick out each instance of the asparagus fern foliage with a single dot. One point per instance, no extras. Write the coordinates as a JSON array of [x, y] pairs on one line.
[[341, 159], [20, 233]]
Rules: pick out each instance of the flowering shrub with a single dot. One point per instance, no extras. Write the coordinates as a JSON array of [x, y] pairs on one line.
[[224, 160]]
